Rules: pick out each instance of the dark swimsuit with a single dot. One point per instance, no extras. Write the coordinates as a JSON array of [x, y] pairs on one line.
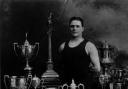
[[76, 64]]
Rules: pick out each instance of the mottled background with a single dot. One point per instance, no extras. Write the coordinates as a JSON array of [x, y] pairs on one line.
[[106, 20]]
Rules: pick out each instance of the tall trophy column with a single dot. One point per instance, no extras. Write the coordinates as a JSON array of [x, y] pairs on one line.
[[107, 61], [50, 79]]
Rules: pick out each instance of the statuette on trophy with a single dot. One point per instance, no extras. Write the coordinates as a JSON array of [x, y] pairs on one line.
[[73, 85]]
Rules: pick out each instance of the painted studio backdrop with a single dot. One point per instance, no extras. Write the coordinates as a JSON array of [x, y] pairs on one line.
[[107, 20]]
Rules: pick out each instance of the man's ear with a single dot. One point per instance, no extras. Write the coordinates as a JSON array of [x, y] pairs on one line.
[[83, 28]]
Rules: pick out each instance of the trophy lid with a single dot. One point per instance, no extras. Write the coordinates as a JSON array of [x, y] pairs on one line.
[[107, 60]]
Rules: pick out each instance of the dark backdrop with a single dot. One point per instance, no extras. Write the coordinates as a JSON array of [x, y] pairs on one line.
[[19, 17], [107, 20]]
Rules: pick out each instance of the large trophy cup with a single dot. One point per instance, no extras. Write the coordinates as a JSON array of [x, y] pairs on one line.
[[27, 51], [22, 82]]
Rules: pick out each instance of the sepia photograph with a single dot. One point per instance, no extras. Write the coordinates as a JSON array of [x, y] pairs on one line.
[[64, 44]]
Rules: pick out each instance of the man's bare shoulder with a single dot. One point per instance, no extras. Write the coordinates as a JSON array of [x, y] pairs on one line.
[[90, 44], [90, 47], [62, 47]]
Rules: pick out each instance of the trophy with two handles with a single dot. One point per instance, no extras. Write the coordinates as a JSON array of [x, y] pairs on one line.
[[73, 85], [23, 82]]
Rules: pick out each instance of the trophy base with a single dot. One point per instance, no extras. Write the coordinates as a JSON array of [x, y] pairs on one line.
[[28, 68], [50, 78]]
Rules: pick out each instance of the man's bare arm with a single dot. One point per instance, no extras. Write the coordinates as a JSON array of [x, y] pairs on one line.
[[93, 52]]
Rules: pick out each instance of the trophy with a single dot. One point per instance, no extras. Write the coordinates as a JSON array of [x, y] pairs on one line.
[[107, 58], [50, 78], [15, 82], [35, 82], [27, 51], [73, 86], [107, 63]]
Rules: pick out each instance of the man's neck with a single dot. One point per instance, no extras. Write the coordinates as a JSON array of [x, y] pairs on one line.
[[77, 39]]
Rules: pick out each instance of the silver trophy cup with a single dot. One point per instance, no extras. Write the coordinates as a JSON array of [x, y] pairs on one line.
[[27, 51], [15, 82]]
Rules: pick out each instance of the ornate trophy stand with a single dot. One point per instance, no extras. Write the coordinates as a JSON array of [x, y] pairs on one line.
[[27, 51], [107, 62], [50, 78]]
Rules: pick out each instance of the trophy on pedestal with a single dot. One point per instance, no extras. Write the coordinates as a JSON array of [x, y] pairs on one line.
[[106, 54], [27, 51], [50, 78], [107, 61]]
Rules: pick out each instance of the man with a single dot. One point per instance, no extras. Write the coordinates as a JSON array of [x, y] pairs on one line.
[[77, 55]]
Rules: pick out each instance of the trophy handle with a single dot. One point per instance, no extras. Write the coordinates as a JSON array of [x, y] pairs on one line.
[[42, 82], [65, 85], [29, 81], [81, 85], [14, 46], [5, 77], [37, 47]]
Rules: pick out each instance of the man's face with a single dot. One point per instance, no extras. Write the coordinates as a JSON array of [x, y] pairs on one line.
[[76, 28]]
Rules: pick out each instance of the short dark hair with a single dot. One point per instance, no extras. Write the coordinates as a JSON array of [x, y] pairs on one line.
[[76, 18]]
